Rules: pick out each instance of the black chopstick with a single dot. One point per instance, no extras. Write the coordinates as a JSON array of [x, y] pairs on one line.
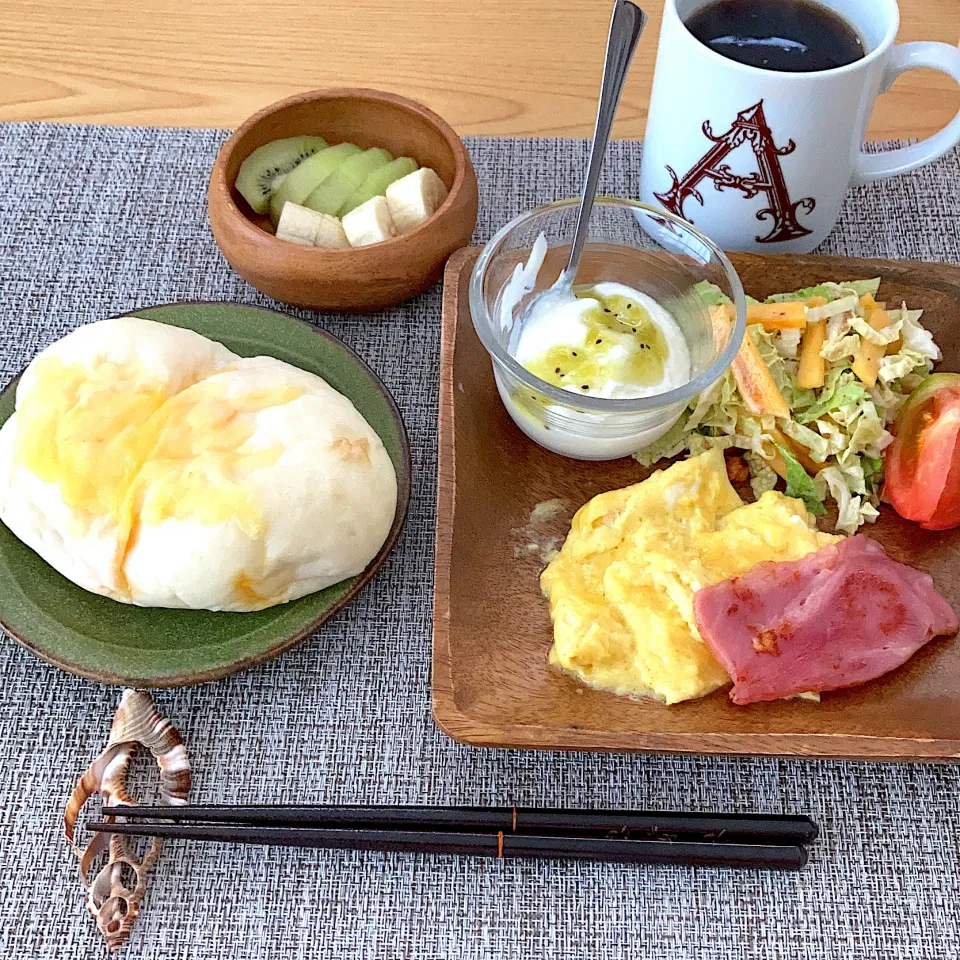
[[500, 845], [622, 824]]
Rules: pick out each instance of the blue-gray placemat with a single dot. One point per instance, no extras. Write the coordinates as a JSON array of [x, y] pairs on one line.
[[98, 220]]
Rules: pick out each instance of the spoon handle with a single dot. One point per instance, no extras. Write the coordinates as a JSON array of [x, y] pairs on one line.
[[626, 25]]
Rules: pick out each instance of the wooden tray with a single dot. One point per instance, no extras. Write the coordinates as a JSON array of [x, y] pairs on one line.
[[492, 629]]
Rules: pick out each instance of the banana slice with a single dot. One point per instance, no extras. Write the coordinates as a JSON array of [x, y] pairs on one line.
[[330, 232], [309, 228], [415, 198], [371, 222]]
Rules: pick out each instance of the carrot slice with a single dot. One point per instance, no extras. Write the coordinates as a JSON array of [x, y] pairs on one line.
[[791, 315], [721, 319], [813, 467], [777, 464], [867, 363], [812, 369], [761, 395]]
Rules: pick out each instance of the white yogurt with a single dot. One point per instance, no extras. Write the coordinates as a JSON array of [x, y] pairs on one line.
[[560, 320]]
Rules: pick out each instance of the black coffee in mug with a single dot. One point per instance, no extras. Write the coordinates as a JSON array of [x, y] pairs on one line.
[[799, 36]]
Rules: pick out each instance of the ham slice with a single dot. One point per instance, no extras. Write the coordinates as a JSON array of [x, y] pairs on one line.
[[837, 618]]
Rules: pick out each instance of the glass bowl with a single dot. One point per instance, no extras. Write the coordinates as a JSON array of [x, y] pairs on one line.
[[630, 243]]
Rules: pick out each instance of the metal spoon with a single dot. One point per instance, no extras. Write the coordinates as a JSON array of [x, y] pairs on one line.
[[626, 25]]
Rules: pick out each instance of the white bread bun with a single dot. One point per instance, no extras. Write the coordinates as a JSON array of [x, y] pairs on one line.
[[152, 465]]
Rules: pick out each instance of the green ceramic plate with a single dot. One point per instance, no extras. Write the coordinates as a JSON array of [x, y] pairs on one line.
[[101, 639]]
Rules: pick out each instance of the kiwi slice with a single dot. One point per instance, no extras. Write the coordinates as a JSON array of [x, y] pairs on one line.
[[331, 195], [265, 169], [308, 176], [377, 182]]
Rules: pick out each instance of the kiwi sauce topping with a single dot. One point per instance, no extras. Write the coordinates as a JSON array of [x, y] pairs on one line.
[[622, 344]]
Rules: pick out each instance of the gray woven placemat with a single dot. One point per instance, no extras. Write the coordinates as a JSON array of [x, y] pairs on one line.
[[98, 220]]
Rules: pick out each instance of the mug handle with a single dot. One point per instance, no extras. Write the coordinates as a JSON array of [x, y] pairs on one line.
[[911, 56]]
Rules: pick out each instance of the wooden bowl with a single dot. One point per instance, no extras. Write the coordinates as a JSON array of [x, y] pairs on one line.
[[359, 278]]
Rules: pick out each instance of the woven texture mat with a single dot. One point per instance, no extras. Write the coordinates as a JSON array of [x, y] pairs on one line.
[[96, 221]]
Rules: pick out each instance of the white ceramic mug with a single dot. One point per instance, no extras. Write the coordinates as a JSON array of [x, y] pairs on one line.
[[760, 160]]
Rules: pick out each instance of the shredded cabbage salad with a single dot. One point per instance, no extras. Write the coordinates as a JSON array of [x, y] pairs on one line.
[[841, 427]]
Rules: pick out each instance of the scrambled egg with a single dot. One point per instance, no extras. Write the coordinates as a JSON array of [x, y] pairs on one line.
[[621, 589], [152, 465]]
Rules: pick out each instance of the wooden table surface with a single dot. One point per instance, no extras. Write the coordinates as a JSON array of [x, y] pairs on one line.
[[500, 67]]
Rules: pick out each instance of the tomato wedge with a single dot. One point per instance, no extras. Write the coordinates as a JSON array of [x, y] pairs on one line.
[[922, 467]]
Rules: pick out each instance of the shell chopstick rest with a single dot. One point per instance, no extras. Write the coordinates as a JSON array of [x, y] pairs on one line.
[[112, 899]]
